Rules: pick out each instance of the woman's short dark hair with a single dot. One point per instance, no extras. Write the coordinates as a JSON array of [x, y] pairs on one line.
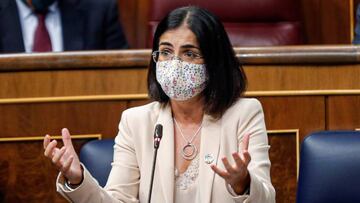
[[227, 80]]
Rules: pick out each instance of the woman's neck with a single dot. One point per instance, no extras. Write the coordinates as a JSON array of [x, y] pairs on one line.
[[188, 112]]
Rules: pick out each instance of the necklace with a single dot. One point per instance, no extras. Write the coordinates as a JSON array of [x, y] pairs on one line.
[[189, 150]]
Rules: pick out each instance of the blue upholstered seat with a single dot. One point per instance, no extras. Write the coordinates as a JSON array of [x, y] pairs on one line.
[[97, 156], [330, 168]]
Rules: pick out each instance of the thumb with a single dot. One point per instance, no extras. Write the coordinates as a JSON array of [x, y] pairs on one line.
[[66, 137]]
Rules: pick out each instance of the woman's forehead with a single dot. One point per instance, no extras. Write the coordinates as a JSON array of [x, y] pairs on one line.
[[178, 37]]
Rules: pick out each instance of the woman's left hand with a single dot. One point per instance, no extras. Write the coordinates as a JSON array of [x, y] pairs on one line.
[[237, 175]]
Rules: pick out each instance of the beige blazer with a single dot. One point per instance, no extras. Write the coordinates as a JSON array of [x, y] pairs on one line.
[[129, 179]]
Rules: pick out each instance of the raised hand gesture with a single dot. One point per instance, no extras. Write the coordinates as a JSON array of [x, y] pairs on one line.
[[236, 175], [64, 158]]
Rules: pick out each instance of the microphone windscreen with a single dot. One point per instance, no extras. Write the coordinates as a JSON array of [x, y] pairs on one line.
[[158, 131]]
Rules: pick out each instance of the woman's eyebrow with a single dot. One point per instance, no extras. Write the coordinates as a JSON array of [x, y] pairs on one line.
[[166, 44], [189, 46]]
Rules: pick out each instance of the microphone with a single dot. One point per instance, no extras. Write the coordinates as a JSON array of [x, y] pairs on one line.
[[157, 138], [158, 135]]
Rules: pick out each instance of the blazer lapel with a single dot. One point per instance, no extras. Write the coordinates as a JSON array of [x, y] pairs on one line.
[[72, 18], [165, 162], [10, 28], [209, 151]]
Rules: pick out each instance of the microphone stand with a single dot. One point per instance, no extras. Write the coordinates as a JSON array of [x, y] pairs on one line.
[[157, 139], [152, 174]]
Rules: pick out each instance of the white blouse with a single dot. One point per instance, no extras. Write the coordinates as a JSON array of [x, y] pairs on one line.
[[186, 183]]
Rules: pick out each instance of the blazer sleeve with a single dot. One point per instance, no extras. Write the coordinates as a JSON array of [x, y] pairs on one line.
[[114, 34], [123, 181], [261, 189]]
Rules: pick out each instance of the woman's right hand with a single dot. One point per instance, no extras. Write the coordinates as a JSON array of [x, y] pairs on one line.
[[64, 158]]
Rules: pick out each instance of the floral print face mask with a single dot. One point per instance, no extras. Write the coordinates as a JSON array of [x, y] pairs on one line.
[[181, 80]]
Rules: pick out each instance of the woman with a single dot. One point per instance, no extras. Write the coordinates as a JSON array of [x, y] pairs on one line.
[[214, 146]]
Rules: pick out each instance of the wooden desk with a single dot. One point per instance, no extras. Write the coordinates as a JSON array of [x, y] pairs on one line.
[[302, 89]]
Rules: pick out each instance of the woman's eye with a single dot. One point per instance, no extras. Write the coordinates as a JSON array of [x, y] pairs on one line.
[[190, 54], [165, 53]]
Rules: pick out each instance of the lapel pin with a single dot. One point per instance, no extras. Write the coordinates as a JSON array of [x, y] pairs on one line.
[[209, 158]]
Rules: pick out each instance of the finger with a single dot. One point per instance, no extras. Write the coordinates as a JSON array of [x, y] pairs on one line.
[[46, 141], [58, 155], [227, 165], [220, 172], [245, 142], [239, 161], [247, 157], [66, 137], [54, 151], [49, 149], [66, 166]]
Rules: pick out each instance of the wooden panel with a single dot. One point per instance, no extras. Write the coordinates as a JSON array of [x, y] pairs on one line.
[[133, 81], [74, 60], [134, 18], [299, 55], [18, 120], [128, 15], [124, 72], [142, 23], [311, 21], [305, 113], [320, 26], [302, 77], [283, 156], [343, 112], [38, 119], [68, 83], [26, 175]]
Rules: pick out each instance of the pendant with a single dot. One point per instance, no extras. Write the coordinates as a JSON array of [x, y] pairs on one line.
[[189, 151]]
